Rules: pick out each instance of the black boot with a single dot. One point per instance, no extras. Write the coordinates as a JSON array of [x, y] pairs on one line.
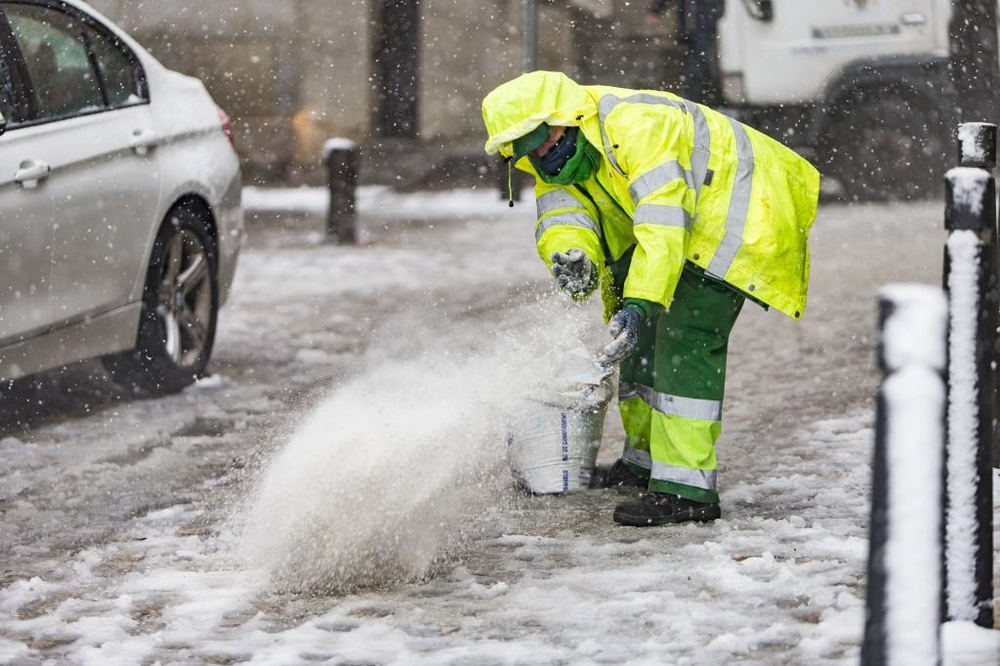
[[616, 476], [663, 508]]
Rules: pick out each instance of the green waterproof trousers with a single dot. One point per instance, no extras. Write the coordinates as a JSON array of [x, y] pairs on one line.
[[672, 385]]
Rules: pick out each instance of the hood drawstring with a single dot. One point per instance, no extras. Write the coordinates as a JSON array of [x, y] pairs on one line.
[[510, 173], [510, 180]]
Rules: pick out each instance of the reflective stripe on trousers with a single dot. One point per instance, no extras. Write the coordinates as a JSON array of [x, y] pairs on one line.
[[704, 479], [681, 353], [674, 405]]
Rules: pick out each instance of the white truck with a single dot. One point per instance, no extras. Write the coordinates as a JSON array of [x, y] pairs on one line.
[[860, 86]]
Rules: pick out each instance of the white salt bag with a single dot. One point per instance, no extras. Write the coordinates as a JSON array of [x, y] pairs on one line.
[[554, 436]]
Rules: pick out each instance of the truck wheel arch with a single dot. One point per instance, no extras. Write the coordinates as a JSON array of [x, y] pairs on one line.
[[883, 127]]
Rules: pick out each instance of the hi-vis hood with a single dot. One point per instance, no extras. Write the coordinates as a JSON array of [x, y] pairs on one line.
[[678, 182], [519, 106]]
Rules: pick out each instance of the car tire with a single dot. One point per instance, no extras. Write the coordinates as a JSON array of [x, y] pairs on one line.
[[886, 145], [180, 305]]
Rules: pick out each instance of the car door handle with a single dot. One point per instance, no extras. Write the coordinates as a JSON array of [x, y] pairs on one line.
[[143, 141], [31, 171]]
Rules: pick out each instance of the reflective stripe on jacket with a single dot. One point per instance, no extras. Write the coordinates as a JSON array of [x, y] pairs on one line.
[[677, 180]]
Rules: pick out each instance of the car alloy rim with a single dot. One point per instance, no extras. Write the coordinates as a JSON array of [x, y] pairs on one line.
[[184, 298]]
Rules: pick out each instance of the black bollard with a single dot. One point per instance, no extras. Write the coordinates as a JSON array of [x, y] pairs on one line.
[[974, 313], [341, 157], [905, 582], [977, 147]]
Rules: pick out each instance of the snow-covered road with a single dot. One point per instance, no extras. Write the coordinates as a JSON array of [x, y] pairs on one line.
[[336, 493]]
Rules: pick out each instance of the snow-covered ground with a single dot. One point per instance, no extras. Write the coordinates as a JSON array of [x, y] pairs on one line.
[[337, 493]]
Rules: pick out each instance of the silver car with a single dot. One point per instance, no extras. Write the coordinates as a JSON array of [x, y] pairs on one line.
[[120, 215]]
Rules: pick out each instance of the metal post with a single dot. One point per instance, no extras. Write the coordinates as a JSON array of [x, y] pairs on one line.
[[341, 157], [972, 63], [904, 576], [511, 180], [530, 35], [974, 299], [397, 40]]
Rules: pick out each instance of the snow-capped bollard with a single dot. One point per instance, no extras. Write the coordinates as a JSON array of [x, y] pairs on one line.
[[341, 159], [974, 308], [905, 585], [977, 147]]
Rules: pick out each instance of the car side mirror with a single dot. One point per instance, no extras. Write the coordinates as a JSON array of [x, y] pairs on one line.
[[3, 123]]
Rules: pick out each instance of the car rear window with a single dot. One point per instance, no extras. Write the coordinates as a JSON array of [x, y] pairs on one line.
[[117, 70], [73, 67], [6, 91]]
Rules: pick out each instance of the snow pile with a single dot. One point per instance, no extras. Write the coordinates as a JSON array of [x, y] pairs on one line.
[[969, 188], [778, 581], [963, 423], [969, 139], [390, 473], [913, 550], [374, 201], [913, 334], [967, 644], [337, 143]]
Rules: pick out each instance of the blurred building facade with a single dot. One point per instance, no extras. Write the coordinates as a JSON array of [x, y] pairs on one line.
[[402, 78]]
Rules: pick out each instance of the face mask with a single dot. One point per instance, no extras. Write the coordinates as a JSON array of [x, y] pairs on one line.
[[558, 155], [572, 160]]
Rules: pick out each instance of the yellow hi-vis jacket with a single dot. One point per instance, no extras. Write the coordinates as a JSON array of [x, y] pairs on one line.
[[677, 180]]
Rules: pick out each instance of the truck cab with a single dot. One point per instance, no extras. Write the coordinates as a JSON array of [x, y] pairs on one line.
[[860, 86]]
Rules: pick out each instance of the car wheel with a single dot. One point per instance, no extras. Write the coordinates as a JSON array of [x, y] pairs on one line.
[[180, 306], [888, 146]]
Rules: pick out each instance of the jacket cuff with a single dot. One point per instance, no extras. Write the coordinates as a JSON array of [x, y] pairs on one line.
[[648, 309]]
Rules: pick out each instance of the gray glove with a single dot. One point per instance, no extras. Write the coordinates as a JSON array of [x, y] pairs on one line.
[[575, 273], [624, 328]]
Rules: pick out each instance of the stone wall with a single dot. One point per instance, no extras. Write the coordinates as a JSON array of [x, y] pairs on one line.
[[292, 73]]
